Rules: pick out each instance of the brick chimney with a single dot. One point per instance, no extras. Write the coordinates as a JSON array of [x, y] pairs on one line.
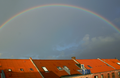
[[73, 58]]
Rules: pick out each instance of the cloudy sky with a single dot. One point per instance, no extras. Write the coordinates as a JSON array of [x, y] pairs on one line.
[[59, 32]]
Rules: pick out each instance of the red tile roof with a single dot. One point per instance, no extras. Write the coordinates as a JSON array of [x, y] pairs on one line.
[[15, 65], [96, 64], [112, 62], [51, 66]]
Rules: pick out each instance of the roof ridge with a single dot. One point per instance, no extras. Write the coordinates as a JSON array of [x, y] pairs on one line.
[[106, 63]]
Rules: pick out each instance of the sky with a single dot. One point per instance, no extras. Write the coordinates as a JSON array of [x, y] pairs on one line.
[[59, 32]]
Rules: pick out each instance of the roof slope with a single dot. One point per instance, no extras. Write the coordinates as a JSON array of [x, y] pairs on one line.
[[112, 62], [95, 64], [52, 65], [21, 68]]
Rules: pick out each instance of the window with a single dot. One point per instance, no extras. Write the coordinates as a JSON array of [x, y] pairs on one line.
[[45, 69], [79, 65], [21, 69], [102, 76], [59, 68], [89, 66], [31, 69], [108, 75], [66, 67], [119, 74], [107, 64], [95, 76], [113, 75], [82, 66], [118, 63], [9, 70]]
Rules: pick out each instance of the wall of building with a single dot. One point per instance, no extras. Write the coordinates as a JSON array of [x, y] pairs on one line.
[[105, 75]]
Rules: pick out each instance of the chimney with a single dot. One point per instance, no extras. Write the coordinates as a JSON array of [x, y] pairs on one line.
[[73, 58], [30, 58]]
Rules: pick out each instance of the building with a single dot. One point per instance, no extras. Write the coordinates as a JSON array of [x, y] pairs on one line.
[[57, 68], [74, 68], [100, 68], [18, 68]]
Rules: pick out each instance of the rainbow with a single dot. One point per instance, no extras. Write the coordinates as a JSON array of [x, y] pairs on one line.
[[62, 5]]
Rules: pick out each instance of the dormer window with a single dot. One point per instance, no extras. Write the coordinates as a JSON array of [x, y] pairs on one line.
[[82, 66], [79, 65], [45, 69], [59, 68]]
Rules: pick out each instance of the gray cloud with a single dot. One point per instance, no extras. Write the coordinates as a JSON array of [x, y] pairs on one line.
[[98, 47]]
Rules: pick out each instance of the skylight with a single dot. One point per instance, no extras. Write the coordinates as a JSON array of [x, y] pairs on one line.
[[89, 66], [118, 63], [31, 69], [107, 64], [45, 69], [59, 68], [9, 70], [66, 67]]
